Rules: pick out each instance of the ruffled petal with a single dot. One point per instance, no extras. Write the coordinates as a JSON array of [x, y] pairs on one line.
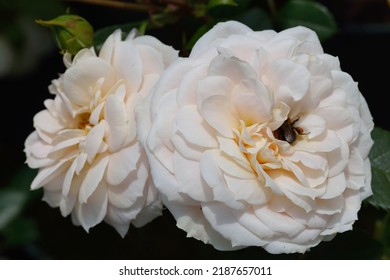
[[92, 213], [93, 178], [116, 117]]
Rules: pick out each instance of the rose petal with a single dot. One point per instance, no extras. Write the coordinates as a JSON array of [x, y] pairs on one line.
[[193, 128], [94, 141], [92, 213], [117, 119], [222, 220], [220, 114], [93, 178], [122, 163], [253, 102]]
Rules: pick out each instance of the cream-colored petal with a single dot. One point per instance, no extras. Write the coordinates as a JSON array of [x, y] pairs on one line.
[[132, 188], [116, 117], [216, 33], [148, 213], [65, 147], [355, 171], [190, 89], [186, 149], [253, 102], [325, 142], [289, 80], [96, 114], [47, 174], [214, 177], [92, 213], [191, 219], [189, 179], [122, 163], [248, 190], [94, 141], [93, 178], [128, 65], [36, 151], [225, 223], [334, 186], [78, 80], [70, 198], [167, 53], [108, 48], [207, 87], [193, 128], [231, 67], [278, 222], [44, 121], [220, 114]]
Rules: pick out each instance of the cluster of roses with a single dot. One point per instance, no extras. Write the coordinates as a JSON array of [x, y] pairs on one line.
[[257, 138]]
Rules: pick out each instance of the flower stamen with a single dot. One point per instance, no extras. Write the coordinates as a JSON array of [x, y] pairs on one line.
[[83, 121]]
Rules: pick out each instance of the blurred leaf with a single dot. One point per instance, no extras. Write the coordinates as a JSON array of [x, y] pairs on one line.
[[309, 14], [11, 204], [380, 165], [223, 12], [255, 18], [13, 197], [40, 8], [19, 232], [385, 238], [214, 3], [382, 233]]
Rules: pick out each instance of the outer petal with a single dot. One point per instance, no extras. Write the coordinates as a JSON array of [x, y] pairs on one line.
[[218, 32], [93, 212]]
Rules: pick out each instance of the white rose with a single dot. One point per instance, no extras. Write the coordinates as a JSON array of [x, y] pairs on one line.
[[85, 144], [259, 139]]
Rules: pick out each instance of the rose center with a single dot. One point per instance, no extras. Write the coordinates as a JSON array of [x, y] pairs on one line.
[[83, 121], [258, 146]]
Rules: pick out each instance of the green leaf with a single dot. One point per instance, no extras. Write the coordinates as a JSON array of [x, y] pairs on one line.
[[385, 238], [255, 18], [382, 234], [14, 197], [40, 8], [19, 232], [380, 166], [214, 3], [11, 204], [309, 14], [224, 12]]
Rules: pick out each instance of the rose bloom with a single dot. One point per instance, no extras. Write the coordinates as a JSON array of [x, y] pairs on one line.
[[85, 144], [259, 139]]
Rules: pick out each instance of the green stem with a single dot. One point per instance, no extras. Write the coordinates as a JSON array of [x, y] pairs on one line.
[[120, 5], [272, 7]]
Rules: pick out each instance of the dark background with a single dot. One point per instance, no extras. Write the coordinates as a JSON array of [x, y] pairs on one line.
[[363, 47]]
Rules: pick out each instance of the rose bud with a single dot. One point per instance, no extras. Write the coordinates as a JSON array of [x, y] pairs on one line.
[[72, 32]]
